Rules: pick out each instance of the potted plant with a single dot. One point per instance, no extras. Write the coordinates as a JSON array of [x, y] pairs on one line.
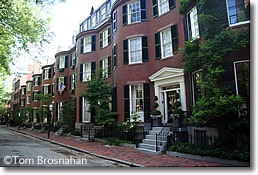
[[156, 114], [177, 113]]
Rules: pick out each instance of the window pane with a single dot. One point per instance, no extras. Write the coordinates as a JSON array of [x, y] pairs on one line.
[[135, 50], [197, 81], [238, 10], [166, 43], [163, 6], [134, 12]]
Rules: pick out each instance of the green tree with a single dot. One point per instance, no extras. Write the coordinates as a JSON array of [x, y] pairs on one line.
[[68, 113], [98, 94]]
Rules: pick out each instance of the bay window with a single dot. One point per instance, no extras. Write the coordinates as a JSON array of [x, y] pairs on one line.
[[86, 72], [29, 86], [135, 50], [134, 12], [61, 62], [105, 38], [28, 99]]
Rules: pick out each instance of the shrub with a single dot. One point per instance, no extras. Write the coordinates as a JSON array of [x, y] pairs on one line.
[[116, 141], [213, 151], [76, 133]]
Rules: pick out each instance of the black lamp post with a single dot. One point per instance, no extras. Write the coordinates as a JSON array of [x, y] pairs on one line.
[[49, 118]]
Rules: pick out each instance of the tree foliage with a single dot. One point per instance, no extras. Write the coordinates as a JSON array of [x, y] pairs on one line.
[[98, 94], [20, 25]]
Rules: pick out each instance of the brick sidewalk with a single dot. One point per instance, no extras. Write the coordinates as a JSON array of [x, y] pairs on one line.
[[124, 153]]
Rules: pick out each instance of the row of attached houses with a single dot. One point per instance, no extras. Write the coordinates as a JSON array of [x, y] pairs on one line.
[[136, 44]]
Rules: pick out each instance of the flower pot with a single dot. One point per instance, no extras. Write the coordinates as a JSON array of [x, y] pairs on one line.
[[156, 122]]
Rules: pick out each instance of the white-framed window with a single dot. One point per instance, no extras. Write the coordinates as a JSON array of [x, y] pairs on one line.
[[60, 81], [22, 101], [242, 78], [46, 73], [93, 20], [36, 80], [23, 91], [104, 37], [163, 6], [197, 79], [28, 99], [86, 115], [34, 115], [102, 13], [87, 44], [135, 50], [35, 93], [29, 86], [86, 72], [73, 58], [105, 67], [61, 62], [238, 11], [114, 21], [192, 22], [134, 12], [166, 43], [137, 101], [45, 89], [59, 110], [45, 108], [73, 82]]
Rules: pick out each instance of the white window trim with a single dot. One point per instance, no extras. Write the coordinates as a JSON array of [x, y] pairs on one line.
[[161, 44], [61, 66], [59, 83], [191, 37], [29, 85], [129, 51], [84, 44], [46, 77], [128, 13], [130, 102], [104, 38], [84, 117], [36, 78], [35, 95], [159, 8], [23, 100], [235, 73], [44, 87], [28, 97], [236, 24], [83, 73], [73, 82], [114, 21]]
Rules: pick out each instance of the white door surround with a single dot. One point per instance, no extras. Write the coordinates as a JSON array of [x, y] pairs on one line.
[[168, 77]]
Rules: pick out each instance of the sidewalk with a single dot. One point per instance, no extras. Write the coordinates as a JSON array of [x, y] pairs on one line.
[[121, 154]]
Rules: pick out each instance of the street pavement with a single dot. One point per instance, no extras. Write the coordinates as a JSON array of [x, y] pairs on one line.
[[17, 150], [121, 154]]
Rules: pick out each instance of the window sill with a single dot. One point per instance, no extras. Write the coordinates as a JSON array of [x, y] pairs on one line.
[[239, 23], [61, 70], [168, 57], [133, 64], [138, 22]]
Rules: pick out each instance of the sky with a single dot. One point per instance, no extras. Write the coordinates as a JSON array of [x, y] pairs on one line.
[[65, 20]]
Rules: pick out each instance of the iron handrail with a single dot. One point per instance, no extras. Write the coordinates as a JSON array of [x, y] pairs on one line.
[[158, 135]]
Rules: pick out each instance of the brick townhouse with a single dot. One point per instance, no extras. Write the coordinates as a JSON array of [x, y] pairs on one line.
[[136, 43]]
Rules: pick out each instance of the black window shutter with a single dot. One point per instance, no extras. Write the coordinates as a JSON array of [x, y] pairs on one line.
[[125, 15], [49, 89], [93, 68], [174, 35], [34, 81], [147, 105], [172, 4], [44, 71], [101, 39], [71, 61], [93, 43], [33, 94], [125, 51], [39, 80], [157, 46], [145, 54], [65, 83], [155, 8], [57, 83], [109, 66], [185, 28], [143, 10], [49, 73], [81, 72], [126, 103], [114, 99], [82, 45], [66, 61], [201, 27], [56, 111], [109, 35], [80, 109], [70, 84], [114, 57], [101, 65]]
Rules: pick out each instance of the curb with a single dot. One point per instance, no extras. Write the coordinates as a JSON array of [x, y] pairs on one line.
[[208, 158], [78, 149]]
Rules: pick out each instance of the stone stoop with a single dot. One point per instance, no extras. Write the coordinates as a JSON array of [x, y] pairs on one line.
[[149, 143]]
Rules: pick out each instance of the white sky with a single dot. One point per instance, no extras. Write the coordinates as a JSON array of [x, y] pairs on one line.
[[65, 20]]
